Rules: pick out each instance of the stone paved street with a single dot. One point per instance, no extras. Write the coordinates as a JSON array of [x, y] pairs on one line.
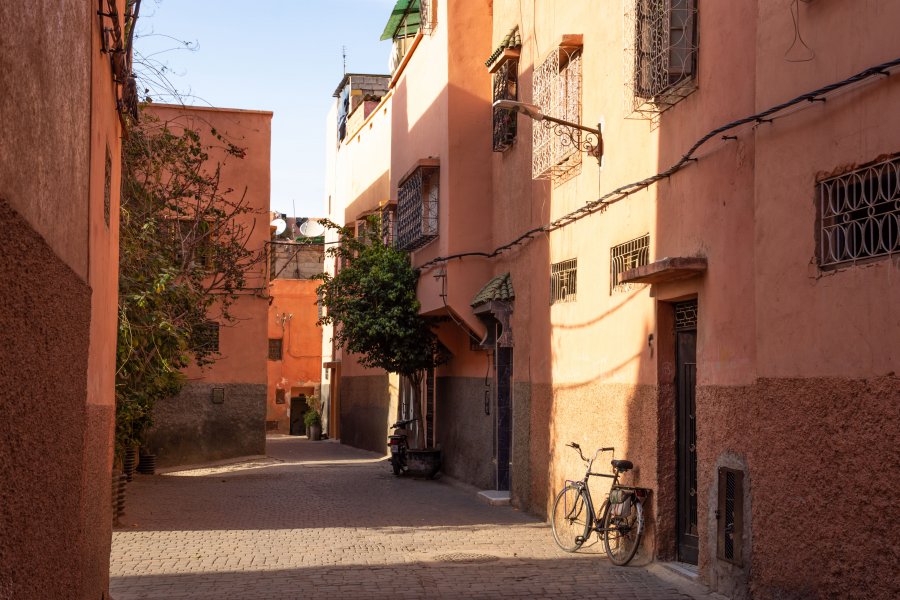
[[321, 520]]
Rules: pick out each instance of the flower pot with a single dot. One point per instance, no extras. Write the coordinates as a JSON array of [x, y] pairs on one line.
[[129, 462], [315, 432], [423, 463]]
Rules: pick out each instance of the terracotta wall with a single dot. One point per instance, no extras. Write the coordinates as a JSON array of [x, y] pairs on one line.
[[292, 319], [242, 368], [58, 299]]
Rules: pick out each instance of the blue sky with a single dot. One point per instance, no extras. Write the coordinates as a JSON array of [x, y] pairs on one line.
[[278, 55]]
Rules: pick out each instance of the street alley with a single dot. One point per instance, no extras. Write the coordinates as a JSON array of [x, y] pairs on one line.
[[317, 519]]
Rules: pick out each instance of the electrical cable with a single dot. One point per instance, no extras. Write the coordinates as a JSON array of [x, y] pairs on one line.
[[622, 192]]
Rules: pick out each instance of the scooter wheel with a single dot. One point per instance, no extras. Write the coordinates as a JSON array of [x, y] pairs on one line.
[[395, 465]]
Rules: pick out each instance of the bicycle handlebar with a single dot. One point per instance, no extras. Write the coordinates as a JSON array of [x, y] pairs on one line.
[[581, 454], [400, 424]]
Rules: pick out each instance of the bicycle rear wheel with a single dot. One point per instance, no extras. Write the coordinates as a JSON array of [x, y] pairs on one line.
[[571, 519], [622, 533]]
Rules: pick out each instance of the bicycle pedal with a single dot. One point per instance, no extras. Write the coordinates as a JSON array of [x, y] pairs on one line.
[[579, 539]]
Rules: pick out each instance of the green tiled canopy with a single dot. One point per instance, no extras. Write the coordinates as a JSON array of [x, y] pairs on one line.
[[512, 40], [497, 289], [402, 9]]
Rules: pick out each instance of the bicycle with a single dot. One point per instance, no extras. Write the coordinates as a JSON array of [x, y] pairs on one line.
[[620, 521]]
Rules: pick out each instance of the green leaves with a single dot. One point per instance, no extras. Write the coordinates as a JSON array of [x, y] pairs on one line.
[[372, 303], [182, 261]]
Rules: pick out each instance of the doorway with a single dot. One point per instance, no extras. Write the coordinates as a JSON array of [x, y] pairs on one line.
[[298, 411], [503, 420], [687, 540]]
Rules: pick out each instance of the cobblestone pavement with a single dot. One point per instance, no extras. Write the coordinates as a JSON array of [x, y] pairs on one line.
[[321, 520]]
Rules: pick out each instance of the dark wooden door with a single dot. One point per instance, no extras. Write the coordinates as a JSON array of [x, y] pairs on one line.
[[686, 430], [504, 416]]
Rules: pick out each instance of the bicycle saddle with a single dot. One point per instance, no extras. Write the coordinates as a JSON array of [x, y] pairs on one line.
[[622, 465]]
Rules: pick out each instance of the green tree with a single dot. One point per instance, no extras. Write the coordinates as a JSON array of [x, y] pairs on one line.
[[183, 259], [372, 303]]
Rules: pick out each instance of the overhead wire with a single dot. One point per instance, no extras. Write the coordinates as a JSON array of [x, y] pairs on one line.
[[599, 205]]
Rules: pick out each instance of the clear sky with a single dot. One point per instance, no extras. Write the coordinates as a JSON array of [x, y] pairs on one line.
[[278, 55]]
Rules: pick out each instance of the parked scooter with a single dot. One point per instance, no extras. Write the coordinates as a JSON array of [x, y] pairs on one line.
[[399, 445]]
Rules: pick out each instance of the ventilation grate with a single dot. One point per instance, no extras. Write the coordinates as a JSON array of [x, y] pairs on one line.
[[730, 515]]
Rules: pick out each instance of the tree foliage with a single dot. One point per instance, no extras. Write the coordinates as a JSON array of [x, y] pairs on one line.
[[183, 259], [372, 303]]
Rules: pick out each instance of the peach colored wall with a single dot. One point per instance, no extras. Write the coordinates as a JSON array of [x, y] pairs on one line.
[[300, 366], [60, 272], [242, 344]]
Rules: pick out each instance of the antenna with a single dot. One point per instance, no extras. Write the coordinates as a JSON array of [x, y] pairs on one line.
[[344, 54]]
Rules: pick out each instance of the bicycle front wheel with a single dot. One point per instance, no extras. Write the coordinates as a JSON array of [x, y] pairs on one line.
[[571, 520], [622, 533]]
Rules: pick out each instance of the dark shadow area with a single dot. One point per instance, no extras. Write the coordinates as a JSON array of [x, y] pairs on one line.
[[452, 575]]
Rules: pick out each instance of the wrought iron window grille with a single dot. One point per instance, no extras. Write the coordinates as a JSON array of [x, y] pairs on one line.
[[107, 187], [557, 90], [275, 349], [859, 214], [389, 224], [417, 208], [428, 15], [207, 336], [563, 281], [632, 254], [686, 315], [730, 516], [506, 79], [661, 59]]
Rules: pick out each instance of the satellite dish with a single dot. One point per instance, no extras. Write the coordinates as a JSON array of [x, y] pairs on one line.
[[311, 229], [280, 225]]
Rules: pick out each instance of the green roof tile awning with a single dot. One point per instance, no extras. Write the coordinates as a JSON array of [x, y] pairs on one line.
[[512, 40], [403, 8], [497, 289]]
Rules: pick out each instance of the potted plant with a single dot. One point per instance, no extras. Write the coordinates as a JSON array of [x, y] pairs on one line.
[[313, 421]]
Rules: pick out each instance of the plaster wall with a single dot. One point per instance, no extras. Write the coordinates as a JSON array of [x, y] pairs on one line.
[[301, 345], [368, 407], [242, 344], [60, 268], [464, 432]]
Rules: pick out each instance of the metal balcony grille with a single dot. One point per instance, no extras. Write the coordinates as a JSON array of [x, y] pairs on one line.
[[506, 80], [557, 90], [389, 224], [563, 281], [631, 254], [417, 208], [859, 214], [207, 337], [661, 59]]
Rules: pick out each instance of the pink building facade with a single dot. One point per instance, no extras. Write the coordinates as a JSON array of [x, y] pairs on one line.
[[711, 294]]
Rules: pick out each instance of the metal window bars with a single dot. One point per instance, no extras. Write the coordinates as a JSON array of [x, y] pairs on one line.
[[389, 224], [859, 214], [506, 80], [275, 349], [428, 16], [563, 281], [661, 55], [417, 208], [686, 315], [557, 90], [629, 255]]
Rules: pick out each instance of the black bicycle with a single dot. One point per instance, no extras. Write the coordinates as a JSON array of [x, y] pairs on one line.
[[620, 521]]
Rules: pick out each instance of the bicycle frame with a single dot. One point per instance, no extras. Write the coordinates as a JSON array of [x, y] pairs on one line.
[[640, 493]]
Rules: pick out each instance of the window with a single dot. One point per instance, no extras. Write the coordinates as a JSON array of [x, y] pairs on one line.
[[191, 241], [279, 396], [389, 224], [428, 15], [631, 254], [557, 90], [274, 349], [730, 516], [859, 214], [563, 281], [207, 337], [506, 79], [664, 54], [417, 207]]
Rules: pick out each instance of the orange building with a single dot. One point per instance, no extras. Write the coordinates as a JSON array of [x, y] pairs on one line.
[[59, 204], [295, 341], [221, 411]]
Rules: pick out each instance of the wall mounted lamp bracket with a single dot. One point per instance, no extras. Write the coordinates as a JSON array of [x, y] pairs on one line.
[[589, 140]]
